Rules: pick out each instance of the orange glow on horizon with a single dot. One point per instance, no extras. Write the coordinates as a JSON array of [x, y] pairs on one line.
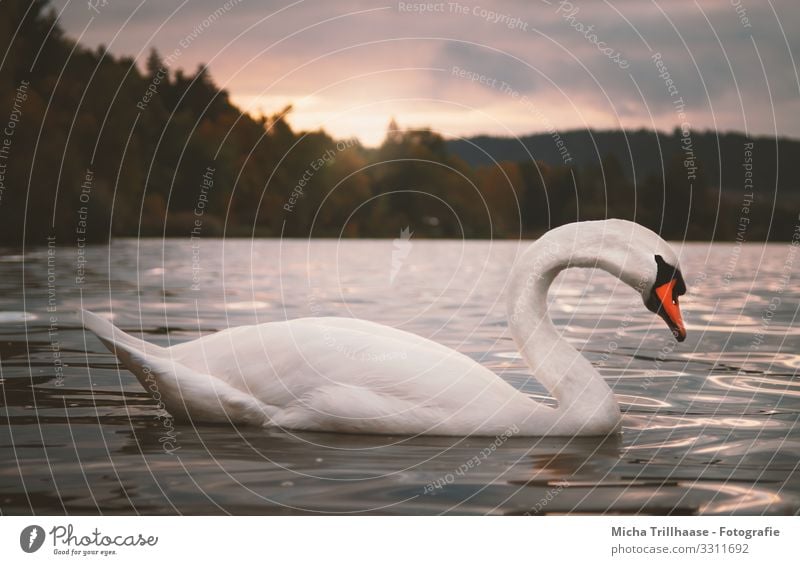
[[369, 122]]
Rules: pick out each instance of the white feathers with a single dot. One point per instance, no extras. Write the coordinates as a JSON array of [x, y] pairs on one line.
[[350, 375]]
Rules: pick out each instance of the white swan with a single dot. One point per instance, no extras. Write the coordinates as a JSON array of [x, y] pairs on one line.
[[350, 375]]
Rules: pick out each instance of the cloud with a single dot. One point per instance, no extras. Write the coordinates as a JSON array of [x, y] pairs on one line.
[[730, 60]]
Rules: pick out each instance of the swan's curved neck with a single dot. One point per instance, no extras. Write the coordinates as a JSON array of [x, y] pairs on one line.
[[585, 400]]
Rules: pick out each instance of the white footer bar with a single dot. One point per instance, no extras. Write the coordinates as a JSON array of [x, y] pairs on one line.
[[378, 540]]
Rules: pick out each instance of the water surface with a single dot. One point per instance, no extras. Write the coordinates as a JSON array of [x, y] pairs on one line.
[[710, 425]]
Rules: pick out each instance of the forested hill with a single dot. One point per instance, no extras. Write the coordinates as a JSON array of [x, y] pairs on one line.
[[95, 145], [642, 153]]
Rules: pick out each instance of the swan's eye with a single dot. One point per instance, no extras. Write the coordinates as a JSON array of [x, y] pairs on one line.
[[667, 273]]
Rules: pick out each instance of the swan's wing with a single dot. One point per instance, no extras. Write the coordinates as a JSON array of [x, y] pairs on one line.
[[283, 360], [325, 369]]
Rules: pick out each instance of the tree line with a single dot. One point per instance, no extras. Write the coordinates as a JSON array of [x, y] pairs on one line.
[[92, 146]]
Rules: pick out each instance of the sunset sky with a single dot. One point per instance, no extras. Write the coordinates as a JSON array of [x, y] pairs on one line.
[[465, 69]]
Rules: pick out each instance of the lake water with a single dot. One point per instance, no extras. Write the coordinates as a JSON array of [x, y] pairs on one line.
[[710, 425]]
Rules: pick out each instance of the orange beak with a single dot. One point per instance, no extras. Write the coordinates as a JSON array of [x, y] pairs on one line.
[[669, 310]]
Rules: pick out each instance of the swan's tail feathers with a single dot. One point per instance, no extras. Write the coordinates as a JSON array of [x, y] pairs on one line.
[[185, 393], [114, 338]]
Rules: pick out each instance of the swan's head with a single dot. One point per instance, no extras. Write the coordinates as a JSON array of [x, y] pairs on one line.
[[644, 261], [658, 271]]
